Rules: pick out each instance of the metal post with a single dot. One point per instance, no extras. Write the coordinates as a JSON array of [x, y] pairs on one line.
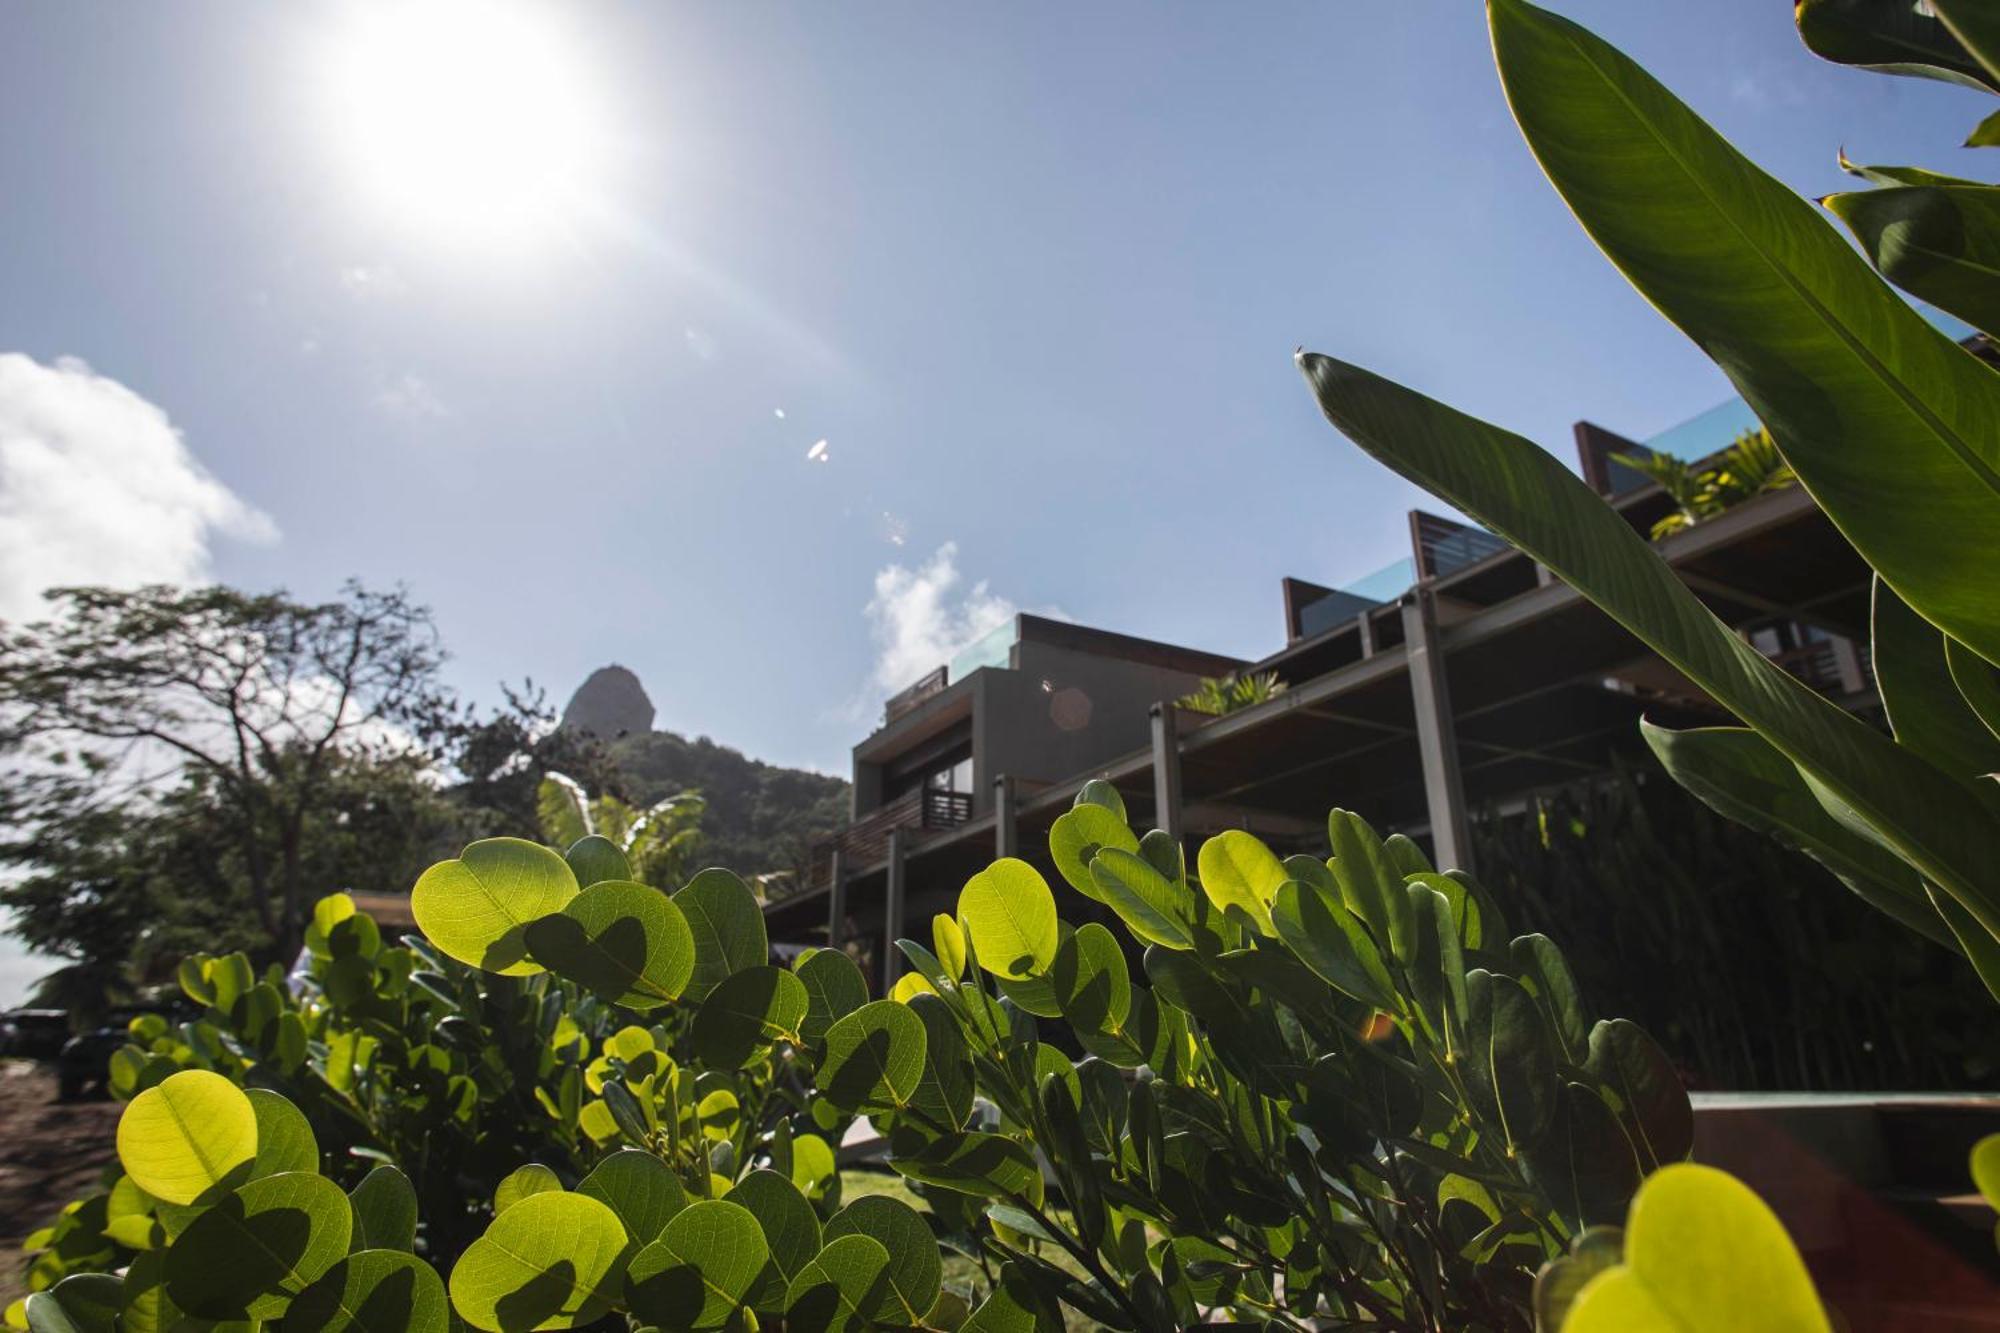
[[892, 912], [1167, 770], [1006, 837], [1444, 792], [836, 902], [1367, 627]]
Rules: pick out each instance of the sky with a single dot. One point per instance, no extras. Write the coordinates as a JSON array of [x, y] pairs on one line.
[[773, 350]]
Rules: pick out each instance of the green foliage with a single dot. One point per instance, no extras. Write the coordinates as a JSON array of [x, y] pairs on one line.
[[655, 843], [1227, 694], [1863, 399], [1749, 467]]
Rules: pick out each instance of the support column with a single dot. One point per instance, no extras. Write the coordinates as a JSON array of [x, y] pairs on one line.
[[1006, 836], [892, 912], [1167, 770], [836, 902], [1437, 742]]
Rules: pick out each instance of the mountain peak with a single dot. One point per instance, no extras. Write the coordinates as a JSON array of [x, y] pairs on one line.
[[609, 704]]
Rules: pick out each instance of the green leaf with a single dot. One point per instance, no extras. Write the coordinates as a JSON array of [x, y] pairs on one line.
[[1701, 1253], [874, 1058], [1586, 1166], [1510, 1059], [251, 1252], [285, 1140], [1978, 683], [372, 1291], [1237, 870], [840, 1288], [1857, 389], [984, 1165], [1371, 887], [944, 1093], [1986, 1168], [1925, 707], [1010, 916], [1101, 793], [385, 1211], [523, 1182], [1315, 925], [835, 988], [594, 858], [640, 1188], [80, 1303], [1650, 1097], [728, 928], [1738, 774], [1156, 909], [628, 943], [1940, 244], [1900, 175], [553, 1260], [185, 1136], [1593, 1250], [1981, 949], [1076, 837], [1093, 986], [700, 1270], [748, 1011], [1890, 36], [915, 1271], [1545, 972], [476, 908], [791, 1228], [1986, 134], [1977, 27]]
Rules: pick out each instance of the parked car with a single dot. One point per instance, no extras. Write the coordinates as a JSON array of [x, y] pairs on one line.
[[84, 1064], [34, 1034]]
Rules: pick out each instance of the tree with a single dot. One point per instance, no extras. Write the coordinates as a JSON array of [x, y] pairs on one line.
[[659, 840], [239, 715]]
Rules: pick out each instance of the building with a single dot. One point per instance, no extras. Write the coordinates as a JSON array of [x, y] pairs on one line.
[[1462, 678]]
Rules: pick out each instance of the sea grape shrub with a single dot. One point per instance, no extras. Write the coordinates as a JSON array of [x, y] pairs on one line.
[[1331, 1088]]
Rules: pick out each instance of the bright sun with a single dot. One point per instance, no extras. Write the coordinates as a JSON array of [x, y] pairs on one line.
[[472, 122]]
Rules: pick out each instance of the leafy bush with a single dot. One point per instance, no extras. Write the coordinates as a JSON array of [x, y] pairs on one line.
[[1227, 694], [1748, 468], [1343, 1093]]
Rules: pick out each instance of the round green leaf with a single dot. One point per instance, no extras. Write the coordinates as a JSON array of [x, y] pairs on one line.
[[700, 1269], [80, 1303], [640, 1188], [915, 1271], [250, 1253], [874, 1058], [1092, 984], [1701, 1252], [1986, 1168], [521, 1183], [1011, 916], [791, 1228], [835, 988], [1076, 837], [182, 1138], [840, 1288], [728, 929], [594, 858], [285, 1141], [477, 907], [1156, 909], [551, 1261], [372, 1291], [385, 1211], [1238, 870], [745, 1013], [626, 942]]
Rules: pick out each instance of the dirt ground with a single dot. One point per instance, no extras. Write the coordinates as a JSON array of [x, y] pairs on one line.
[[50, 1153]]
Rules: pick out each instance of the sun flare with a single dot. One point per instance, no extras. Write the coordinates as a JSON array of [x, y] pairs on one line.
[[472, 122]]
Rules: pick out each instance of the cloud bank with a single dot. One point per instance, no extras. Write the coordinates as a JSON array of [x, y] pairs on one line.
[[98, 487], [919, 618]]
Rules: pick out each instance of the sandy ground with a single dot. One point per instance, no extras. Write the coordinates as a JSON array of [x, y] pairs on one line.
[[50, 1153]]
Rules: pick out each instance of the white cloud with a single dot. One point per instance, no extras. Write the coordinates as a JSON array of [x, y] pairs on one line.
[[98, 487], [412, 398], [920, 617]]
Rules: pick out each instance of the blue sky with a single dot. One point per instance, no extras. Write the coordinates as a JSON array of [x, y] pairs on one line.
[[1034, 272]]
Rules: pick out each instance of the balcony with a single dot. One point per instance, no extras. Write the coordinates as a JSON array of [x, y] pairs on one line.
[[866, 841]]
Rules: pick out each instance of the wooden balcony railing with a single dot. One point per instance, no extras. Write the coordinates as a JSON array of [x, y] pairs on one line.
[[930, 685], [866, 841]]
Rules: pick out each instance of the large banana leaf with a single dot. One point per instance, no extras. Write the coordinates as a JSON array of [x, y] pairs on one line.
[[1900, 175], [1887, 422], [1526, 496], [1976, 24], [1939, 244], [1737, 773], [1892, 36]]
